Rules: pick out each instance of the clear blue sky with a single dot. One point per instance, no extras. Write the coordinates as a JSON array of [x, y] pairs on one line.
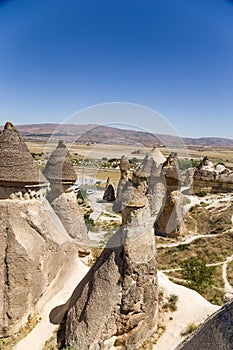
[[174, 56]]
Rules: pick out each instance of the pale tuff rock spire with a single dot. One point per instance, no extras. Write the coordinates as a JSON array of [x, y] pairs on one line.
[[34, 244], [59, 167], [60, 172], [17, 166]]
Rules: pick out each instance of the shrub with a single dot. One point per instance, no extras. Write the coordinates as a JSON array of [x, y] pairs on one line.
[[198, 275], [81, 194], [90, 224], [171, 303], [201, 194], [191, 327]]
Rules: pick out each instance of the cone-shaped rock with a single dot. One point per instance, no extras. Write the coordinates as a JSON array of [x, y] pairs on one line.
[[34, 244], [59, 167], [17, 166], [109, 194]]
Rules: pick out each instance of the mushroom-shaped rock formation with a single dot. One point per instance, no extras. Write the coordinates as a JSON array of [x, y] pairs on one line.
[[115, 306], [170, 220], [134, 197], [34, 244], [61, 174], [215, 333], [124, 168], [152, 169], [124, 164]]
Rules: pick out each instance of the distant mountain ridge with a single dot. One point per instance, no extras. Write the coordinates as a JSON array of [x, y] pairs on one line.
[[85, 133]]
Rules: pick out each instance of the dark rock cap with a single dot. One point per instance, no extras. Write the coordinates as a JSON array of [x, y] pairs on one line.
[[17, 166], [59, 167]]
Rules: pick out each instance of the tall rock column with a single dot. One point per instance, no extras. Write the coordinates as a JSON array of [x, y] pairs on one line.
[[60, 173], [170, 220], [124, 179], [115, 306], [34, 244]]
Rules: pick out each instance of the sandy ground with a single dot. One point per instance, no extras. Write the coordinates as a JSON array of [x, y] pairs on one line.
[[191, 308], [44, 329]]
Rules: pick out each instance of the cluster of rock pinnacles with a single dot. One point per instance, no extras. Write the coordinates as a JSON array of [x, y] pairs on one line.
[[116, 304], [37, 242]]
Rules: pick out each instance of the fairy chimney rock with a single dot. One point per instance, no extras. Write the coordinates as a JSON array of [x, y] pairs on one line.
[[60, 172], [126, 313], [170, 221], [124, 181], [18, 170], [124, 164], [59, 168], [34, 244]]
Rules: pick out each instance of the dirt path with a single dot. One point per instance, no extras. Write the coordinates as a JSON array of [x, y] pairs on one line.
[[185, 241], [97, 207], [228, 287], [44, 329]]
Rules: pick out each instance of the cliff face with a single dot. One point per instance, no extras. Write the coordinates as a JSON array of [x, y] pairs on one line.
[[34, 247], [212, 178], [212, 183], [215, 333]]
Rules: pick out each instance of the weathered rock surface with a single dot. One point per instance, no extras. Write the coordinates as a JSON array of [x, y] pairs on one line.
[[116, 304], [124, 181], [34, 244], [215, 333], [170, 220], [60, 172], [109, 194], [67, 209], [17, 167], [152, 169], [211, 178], [34, 247]]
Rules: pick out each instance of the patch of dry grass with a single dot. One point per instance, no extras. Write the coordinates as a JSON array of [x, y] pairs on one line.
[[214, 294], [9, 342], [209, 220], [230, 273], [51, 343], [214, 249]]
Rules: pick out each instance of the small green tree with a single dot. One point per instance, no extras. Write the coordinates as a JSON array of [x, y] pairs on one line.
[[198, 275], [90, 224]]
